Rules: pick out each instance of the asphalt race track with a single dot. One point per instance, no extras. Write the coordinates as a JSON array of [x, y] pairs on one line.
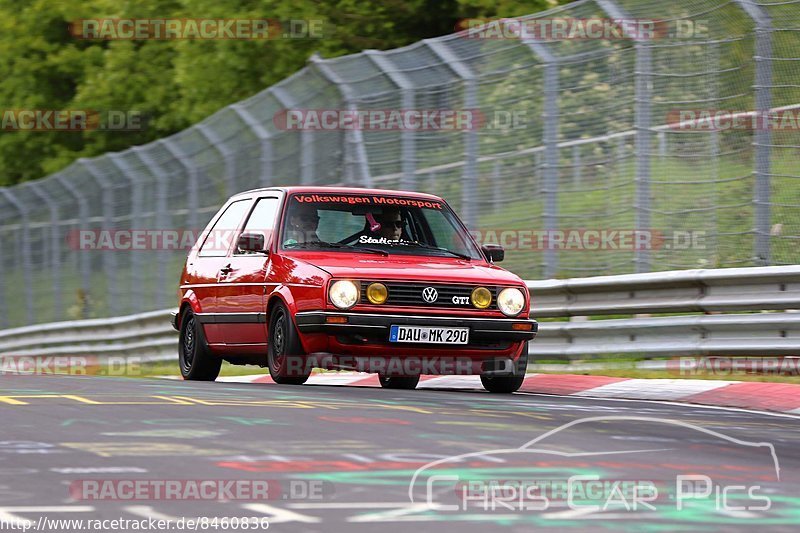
[[343, 458]]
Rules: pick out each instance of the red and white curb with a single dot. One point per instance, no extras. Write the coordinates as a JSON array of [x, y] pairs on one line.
[[781, 397]]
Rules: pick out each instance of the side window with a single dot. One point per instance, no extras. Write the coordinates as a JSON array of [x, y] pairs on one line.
[[221, 235], [262, 219]]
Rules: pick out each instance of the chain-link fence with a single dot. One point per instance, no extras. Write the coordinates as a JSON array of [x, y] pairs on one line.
[[584, 139]]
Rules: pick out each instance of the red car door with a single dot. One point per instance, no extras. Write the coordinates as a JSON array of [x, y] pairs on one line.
[[241, 294], [212, 262]]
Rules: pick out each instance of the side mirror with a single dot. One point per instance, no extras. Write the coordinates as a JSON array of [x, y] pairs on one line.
[[494, 252], [253, 243]]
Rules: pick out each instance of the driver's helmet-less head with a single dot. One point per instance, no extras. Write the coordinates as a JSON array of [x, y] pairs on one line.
[[388, 223]]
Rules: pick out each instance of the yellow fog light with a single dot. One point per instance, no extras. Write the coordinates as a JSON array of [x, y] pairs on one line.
[[481, 297], [377, 293]]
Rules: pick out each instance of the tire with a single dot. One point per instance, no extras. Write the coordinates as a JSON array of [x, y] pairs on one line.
[[285, 357], [398, 382], [195, 359], [510, 383]]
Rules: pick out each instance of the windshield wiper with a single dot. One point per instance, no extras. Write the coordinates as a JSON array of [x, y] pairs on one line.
[[338, 246], [440, 249]]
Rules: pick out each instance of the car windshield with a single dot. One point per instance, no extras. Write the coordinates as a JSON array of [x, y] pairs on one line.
[[375, 223]]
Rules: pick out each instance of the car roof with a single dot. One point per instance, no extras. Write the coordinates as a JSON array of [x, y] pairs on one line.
[[307, 189]]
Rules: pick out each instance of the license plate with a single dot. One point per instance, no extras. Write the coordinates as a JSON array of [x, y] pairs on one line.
[[429, 335]]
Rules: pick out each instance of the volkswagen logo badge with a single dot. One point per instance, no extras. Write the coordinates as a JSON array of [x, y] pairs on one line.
[[429, 294]]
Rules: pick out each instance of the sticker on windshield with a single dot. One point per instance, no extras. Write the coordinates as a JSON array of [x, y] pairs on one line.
[[368, 200]]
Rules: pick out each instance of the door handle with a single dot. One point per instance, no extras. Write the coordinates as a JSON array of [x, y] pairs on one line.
[[226, 269]]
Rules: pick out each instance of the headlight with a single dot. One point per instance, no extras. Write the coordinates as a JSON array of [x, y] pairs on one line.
[[511, 301], [344, 294], [377, 293], [481, 297]]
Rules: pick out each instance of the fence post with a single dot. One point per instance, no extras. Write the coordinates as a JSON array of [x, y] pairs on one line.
[[162, 222], [550, 120], [228, 155], [497, 197], [577, 170], [357, 161], [264, 136], [306, 140], [408, 148], [193, 193], [109, 256], [137, 268], [83, 257], [469, 193], [55, 246], [643, 111], [27, 265], [763, 135]]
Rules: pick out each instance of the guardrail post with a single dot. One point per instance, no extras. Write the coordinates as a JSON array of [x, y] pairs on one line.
[[306, 139], [192, 195], [469, 192], [109, 256], [408, 155], [551, 159], [643, 103], [137, 267], [162, 222], [577, 171], [264, 136], [83, 258], [55, 246], [355, 152], [763, 134], [27, 267], [228, 155]]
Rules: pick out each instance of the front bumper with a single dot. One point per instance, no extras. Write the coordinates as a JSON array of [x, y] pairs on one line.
[[376, 326]]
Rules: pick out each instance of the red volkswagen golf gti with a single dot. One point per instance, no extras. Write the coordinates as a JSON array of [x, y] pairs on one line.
[[379, 281]]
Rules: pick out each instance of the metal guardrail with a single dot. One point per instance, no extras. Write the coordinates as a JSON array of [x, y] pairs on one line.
[[146, 335], [740, 291], [758, 304]]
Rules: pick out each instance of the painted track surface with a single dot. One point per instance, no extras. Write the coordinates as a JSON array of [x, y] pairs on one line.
[[360, 446]]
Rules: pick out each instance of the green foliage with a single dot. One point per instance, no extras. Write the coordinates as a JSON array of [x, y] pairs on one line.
[[179, 82]]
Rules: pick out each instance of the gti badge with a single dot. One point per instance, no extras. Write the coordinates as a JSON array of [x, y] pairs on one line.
[[429, 294]]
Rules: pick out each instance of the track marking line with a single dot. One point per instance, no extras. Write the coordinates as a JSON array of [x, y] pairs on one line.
[[81, 399], [177, 400]]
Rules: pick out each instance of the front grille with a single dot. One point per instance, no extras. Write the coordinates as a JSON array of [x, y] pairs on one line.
[[410, 294]]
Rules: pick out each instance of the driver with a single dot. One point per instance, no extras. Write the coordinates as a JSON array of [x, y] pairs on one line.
[[391, 223], [303, 223]]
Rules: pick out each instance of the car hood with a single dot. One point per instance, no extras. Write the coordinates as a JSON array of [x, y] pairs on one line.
[[408, 268]]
